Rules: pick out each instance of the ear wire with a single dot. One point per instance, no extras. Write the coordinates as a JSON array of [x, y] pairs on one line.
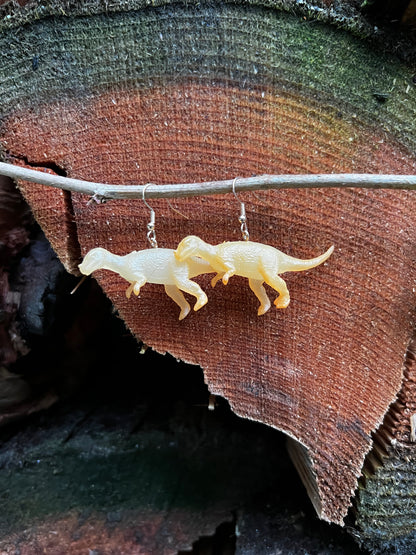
[[242, 218], [151, 234]]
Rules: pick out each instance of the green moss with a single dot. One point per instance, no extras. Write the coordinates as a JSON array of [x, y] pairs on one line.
[[58, 59]]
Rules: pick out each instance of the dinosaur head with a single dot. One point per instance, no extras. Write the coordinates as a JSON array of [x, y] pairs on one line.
[[189, 246], [93, 260]]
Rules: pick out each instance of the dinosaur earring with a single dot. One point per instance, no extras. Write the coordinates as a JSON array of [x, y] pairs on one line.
[[258, 262], [155, 265]]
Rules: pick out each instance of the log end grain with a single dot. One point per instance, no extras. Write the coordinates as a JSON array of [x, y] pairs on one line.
[[324, 370]]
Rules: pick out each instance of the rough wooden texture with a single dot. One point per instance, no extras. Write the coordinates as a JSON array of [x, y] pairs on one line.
[[209, 92], [386, 501]]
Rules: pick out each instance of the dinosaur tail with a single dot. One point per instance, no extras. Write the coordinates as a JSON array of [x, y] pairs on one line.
[[291, 264]]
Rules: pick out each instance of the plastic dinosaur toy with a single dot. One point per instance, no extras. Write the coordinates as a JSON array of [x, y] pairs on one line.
[[153, 266], [255, 261]]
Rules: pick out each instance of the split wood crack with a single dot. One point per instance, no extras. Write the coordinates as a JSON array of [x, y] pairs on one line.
[[102, 192]]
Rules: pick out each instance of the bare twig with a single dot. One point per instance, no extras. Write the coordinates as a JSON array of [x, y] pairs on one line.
[[105, 192]]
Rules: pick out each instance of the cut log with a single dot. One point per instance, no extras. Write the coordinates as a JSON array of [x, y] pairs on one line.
[[385, 506], [176, 94]]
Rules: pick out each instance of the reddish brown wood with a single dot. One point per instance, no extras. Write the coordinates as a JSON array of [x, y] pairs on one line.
[[326, 369], [56, 206]]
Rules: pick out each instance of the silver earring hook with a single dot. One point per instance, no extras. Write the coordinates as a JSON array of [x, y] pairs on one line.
[[242, 218], [151, 234]]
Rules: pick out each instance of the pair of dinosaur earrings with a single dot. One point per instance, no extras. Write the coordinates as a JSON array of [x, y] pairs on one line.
[[175, 268]]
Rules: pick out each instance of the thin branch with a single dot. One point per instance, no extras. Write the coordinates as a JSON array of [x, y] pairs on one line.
[[102, 192]]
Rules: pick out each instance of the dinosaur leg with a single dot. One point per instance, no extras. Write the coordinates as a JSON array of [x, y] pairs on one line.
[[256, 285], [278, 285], [134, 287], [137, 286], [176, 295], [193, 288], [130, 289], [224, 269], [216, 279], [229, 273], [225, 276]]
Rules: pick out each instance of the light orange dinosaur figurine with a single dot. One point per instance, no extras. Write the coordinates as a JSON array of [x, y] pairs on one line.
[[153, 266], [255, 261]]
